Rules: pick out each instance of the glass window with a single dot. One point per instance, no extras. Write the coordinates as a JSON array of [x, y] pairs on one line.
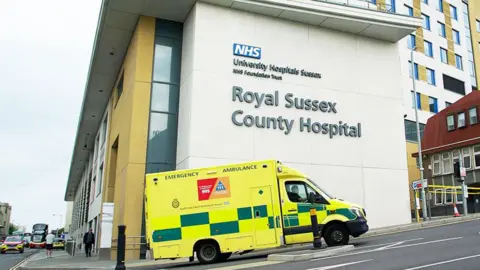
[[164, 98], [458, 61], [459, 196], [450, 122], [166, 66], [436, 164], [415, 67], [431, 76], [100, 178], [461, 120], [467, 159], [426, 21], [428, 48], [409, 10], [477, 23], [443, 55], [455, 156], [425, 1], [159, 167], [438, 196], [472, 116], [162, 138], [390, 5], [411, 130], [446, 163], [120, 86], [411, 42], [440, 5], [419, 105], [433, 104], [441, 29], [453, 12], [104, 130], [456, 37], [447, 104], [296, 191], [476, 154]]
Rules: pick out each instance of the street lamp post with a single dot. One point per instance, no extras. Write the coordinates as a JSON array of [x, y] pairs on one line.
[[424, 203], [61, 218]]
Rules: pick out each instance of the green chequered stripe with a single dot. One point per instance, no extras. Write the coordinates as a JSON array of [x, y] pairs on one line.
[[291, 220], [220, 228], [304, 208], [342, 211]]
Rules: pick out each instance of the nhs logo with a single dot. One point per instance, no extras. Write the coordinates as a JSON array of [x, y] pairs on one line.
[[247, 51]]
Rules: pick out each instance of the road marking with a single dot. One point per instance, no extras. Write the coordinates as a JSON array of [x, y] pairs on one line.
[[338, 265], [22, 262], [444, 262], [394, 247], [379, 245], [247, 265]]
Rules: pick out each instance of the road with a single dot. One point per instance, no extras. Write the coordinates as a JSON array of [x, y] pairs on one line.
[[454, 246], [11, 259]]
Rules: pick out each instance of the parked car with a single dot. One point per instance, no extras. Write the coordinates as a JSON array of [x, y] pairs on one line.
[[12, 243], [59, 243]]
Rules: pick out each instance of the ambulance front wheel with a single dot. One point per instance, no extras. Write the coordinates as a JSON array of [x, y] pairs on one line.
[[208, 252], [336, 234]]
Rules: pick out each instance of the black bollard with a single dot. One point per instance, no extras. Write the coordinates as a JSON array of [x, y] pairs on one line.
[[317, 240], [121, 248]]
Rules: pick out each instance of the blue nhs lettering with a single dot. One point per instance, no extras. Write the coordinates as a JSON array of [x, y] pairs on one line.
[[247, 51]]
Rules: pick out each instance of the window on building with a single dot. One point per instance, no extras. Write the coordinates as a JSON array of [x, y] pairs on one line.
[[438, 196], [415, 67], [455, 156], [409, 10], [472, 116], [441, 29], [467, 158], [104, 130], [458, 196], [476, 155], [411, 43], [446, 163], [433, 104], [419, 105], [428, 48], [436, 165], [443, 55], [426, 21], [411, 130], [447, 104], [453, 12], [453, 84], [440, 5], [120, 86], [456, 37], [390, 5], [425, 1], [461, 120], [458, 61], [450, 122], [100, 178], [431, 76], [477, 23], [92, 190]]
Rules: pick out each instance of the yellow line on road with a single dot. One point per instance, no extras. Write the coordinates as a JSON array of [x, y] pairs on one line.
[[247, 265]]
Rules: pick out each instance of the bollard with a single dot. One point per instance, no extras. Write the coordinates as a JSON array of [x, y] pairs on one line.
[[317, 240], [121, 248]]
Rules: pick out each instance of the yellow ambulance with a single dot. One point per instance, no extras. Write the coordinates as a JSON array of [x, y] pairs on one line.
[[217, 211]]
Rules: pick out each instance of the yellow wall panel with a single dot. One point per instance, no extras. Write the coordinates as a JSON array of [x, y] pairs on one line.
[[449, 33], [413, 171], [417, 8], [451, 58], [419, 40], [424, 102], [422, 73], [474, 14]]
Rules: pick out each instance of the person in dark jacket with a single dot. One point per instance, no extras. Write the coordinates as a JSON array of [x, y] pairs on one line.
[[89, 241]]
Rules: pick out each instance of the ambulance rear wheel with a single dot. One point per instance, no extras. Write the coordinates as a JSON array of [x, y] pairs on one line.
[[208, 252], [336, 234]]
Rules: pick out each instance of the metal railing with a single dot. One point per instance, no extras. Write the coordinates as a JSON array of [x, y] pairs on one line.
[[365, 4]]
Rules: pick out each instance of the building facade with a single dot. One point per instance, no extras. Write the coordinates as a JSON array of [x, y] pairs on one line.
[[451, 135], [444, 52], [285, 80], [5, 213]]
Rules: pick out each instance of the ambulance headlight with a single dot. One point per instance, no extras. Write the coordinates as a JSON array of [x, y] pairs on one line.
[[279, 169], [357, 212]]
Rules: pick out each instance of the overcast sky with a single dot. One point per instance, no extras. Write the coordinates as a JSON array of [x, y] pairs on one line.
[[45, 49]]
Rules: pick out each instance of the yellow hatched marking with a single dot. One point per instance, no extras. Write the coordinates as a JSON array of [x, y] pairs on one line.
[[245, 225], [192, 232], [162, 223], [223, 215]]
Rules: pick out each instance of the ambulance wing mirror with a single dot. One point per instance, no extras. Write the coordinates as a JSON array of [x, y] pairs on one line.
[[312, 198]]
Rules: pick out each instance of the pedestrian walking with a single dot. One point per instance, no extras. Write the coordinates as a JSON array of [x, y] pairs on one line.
[[88, 241], [49, 244]]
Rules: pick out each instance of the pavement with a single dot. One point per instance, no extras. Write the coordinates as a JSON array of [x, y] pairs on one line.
[[11, 259], [383, 248]]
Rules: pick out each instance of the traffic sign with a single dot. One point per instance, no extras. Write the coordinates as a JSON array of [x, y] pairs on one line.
[[463, 172], [418, 184]]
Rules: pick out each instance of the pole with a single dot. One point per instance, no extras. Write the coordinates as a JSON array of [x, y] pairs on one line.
[[465, 210], [420, 156], [317, 240], [417, 215], [121, 248]]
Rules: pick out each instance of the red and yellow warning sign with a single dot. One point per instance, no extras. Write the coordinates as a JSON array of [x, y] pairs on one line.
[[213, 188]]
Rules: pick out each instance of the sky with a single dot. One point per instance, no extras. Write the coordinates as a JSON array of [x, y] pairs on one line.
[[45, 49]]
